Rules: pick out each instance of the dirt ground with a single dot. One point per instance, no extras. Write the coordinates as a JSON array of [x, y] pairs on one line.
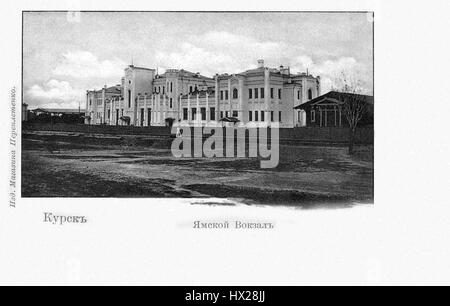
[[72, 165]]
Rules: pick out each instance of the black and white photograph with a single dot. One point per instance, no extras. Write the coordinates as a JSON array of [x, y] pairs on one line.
[[225, 152], [259, 108]]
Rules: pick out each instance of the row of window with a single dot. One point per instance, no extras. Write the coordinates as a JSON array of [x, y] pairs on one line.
[[129, 100], [212, 113], [235, 114], [224, 94], [252, 115], [259, 92], [255, 93], [310, 94], [193, 88], [162, 89], [256, 117]]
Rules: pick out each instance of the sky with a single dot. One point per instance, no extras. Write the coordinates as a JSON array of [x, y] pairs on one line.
[[65, 54]]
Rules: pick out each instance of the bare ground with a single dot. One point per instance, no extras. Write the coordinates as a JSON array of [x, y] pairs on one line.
[[80, 166]]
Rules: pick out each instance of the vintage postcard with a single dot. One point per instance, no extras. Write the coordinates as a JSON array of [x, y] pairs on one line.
[[263, 113], [203, 145]]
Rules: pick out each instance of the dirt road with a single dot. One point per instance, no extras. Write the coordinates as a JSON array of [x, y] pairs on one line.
[[72, 166]]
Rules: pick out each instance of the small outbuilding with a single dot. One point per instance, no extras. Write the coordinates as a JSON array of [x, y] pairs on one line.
[[328, 110]]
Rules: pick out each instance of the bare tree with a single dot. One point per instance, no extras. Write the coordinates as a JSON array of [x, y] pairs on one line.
[[354, 104]]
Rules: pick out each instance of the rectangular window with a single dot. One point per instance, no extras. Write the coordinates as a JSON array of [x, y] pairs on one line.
[[203, 112], [235, 93], [129, 98], [279, 93], [194, 114], [256, 116], [235, 114], [262, 93], [250, 93], [256, 93], [271, 93], [164, 89], [226, 114], [226, 94], [280, 116], [171, 105], [262, 116], [212, 113], [185, 114], [313, 116], [221, 114], [171, 87], [298, 95], [250, 116], [221, 95], [271, 116]]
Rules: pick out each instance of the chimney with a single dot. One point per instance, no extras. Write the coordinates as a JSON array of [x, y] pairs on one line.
[[261, 63]]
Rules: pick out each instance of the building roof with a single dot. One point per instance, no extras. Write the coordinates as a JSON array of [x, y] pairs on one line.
[[184, 73], [113, 89], [59, 110], [335, 96], [140, 68], [282, 71], [201, 94]]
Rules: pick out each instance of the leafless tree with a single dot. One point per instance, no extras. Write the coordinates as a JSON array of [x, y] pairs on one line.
[[355, 105]]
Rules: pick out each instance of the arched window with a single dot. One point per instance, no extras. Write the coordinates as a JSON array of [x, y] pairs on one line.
[[310, 94], [235, 93]]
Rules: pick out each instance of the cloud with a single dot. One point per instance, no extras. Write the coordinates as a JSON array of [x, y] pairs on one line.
[[331, 70], [194, 58], [56, 93], [219, 52], [85, 65]]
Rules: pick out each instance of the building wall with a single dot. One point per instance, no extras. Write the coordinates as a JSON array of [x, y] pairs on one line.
[[148, 99], [263, 104], [333, 116], [138, 82], [97, 102], [171, 86]]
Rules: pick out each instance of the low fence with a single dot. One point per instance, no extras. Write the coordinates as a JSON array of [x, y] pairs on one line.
[[99, 129], [364, 135]]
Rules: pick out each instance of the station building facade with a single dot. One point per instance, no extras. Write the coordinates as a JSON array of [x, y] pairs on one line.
[[255, 97]]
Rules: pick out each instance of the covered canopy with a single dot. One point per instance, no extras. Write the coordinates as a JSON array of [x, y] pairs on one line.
[[230, 119], [337, 98], [125, 118]]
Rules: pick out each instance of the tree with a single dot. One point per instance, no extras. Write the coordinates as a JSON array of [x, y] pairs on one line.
[[354, 104]]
